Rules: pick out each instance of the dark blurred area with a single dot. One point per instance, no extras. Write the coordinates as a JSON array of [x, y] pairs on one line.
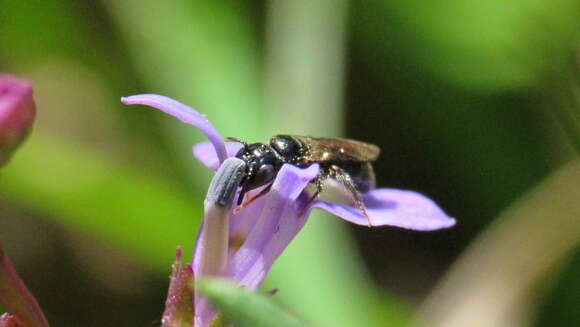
[[472, 104]]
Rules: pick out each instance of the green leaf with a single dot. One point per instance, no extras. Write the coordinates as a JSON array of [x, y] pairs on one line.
[[480, 45], [126, 207], [245, 308]]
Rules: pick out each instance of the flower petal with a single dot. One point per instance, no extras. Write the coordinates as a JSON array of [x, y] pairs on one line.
[[183, 113], [280, 220], [392, 207], [205, 153]]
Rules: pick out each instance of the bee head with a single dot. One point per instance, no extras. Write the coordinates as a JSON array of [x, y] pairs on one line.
[[262, 165]]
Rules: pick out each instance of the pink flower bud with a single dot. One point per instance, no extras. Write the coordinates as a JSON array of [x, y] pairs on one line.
[[17, 110]]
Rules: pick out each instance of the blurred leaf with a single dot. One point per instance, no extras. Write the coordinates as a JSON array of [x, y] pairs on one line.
[[78, 188], [561, 306], [24, 29], [528, 241], [79, 55], [77, 31], [245, 309], [484, 45]]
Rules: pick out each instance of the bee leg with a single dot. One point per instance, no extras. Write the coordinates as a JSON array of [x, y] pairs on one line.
[[247, 203], [344, 178], [319, 181]]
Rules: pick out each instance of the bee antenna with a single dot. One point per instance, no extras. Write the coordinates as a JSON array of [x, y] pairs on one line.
[[233, 139]]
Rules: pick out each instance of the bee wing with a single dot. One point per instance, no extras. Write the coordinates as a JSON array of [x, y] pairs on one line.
[[334, 149]]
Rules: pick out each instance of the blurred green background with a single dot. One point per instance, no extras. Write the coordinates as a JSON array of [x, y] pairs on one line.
[[472, 103]]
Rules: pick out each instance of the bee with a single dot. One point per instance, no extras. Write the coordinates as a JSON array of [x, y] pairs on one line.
[[347, 162]]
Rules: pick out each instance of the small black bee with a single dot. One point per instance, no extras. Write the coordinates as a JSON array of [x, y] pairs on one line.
[[346, 161]]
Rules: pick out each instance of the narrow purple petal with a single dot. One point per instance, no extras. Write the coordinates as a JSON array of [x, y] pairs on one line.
[[183, 113], [392, 207], [205, 153], [277, 225]]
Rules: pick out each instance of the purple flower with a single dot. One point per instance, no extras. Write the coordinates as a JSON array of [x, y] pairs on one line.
[[17, 112], [243, 246]]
